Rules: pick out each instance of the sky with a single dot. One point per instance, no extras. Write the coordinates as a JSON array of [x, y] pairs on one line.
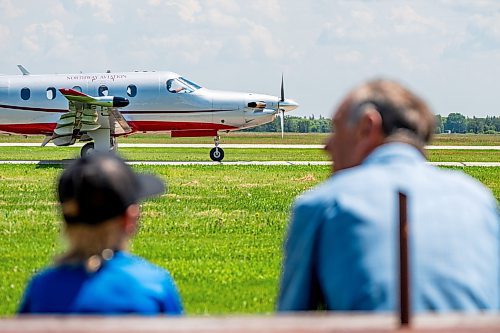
[[448, 51]]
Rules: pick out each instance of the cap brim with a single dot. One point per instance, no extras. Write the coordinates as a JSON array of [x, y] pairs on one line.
[[150, 186]]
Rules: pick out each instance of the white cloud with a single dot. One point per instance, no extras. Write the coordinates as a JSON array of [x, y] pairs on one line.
[[218, 18], [230, 6], [51, 39], [186, 48], [470, 5], [361, 25], [348, 57], [363, 15], [259, 40], [408, 21], [408, 60], [186, 9], [487, 25], [102, 9], [4, 34], [271, 9], [10, 10]]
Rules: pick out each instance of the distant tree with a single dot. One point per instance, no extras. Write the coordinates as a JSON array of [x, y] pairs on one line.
[[456, 123], [475, 125], [304, 125], [439, 124]]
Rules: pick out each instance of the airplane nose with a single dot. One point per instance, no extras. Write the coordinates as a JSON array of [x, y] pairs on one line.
[[288, 105]]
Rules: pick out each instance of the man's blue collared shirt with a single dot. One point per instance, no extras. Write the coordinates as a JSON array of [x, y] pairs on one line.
[[342, 247]]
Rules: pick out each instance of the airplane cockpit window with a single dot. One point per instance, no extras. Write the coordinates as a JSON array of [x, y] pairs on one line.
[[103, 91], [181, 85], [51, 93], [25, 93]]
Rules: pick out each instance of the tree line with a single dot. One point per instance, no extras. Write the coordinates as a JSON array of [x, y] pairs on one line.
[[453, 123], [458, 123]]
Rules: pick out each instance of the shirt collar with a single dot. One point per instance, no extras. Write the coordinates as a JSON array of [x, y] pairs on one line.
[[396, 151]]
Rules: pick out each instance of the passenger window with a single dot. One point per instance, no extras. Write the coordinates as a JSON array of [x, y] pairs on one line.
[[25, 93], [132, 90], [51, 93], [77, 88], [103, 91]]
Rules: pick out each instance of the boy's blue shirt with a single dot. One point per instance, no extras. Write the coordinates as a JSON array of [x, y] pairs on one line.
[[125, 284]]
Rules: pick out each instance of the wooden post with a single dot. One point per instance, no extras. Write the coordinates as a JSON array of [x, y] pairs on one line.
[[404, 269]]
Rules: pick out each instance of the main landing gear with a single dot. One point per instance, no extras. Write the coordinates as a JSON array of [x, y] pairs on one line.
[[87, 149], [216, 153], [103, 141]]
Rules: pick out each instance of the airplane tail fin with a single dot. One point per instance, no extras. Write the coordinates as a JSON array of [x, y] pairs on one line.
[[23, 70]]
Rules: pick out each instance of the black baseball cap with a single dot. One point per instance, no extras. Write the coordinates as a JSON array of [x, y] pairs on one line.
[[100, 186]]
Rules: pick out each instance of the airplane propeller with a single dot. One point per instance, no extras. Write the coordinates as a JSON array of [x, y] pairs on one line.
[[281, 112]]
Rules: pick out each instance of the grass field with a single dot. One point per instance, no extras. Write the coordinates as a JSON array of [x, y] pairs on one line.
[[219, 230], [231, 154], [270, 138]]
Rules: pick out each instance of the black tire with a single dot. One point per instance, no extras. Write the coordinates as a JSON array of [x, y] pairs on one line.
[[217, 154], [87, 149]]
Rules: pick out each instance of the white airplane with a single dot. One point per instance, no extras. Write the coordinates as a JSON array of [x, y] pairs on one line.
[[99, 107]]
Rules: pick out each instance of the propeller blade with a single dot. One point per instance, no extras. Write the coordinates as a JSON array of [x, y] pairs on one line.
[[281, 112], [282, 123], [282, 90]]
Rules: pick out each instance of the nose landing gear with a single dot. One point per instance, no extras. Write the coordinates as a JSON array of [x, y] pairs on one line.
[[216, 154]]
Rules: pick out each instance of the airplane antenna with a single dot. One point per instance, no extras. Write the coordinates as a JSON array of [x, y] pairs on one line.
[[23, 70]]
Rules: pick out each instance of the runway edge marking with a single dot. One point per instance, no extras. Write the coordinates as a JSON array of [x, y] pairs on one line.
[[244, 163], [237, 146]]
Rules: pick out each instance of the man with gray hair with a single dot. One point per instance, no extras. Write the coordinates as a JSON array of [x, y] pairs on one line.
[[341, 250]]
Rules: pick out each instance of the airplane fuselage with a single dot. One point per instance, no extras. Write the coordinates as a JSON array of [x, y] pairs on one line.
[[32, 104]]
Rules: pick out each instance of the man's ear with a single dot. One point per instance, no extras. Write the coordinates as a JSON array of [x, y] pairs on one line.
[[369, 129]]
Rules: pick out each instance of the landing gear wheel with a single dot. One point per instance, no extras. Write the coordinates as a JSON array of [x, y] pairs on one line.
[[216, 154], [87, 149]]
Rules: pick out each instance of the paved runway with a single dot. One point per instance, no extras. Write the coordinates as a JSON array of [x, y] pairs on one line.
[[239, 146], [286, 163]]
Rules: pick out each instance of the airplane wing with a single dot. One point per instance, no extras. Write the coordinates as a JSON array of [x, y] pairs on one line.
[[83, 117]]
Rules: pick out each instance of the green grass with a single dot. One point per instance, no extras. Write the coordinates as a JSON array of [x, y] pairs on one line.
[[231, 154], [270, 138], [219, 230]]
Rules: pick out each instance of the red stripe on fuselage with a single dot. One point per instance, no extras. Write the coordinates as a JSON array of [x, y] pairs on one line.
[[29, 129], [137, 126]]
